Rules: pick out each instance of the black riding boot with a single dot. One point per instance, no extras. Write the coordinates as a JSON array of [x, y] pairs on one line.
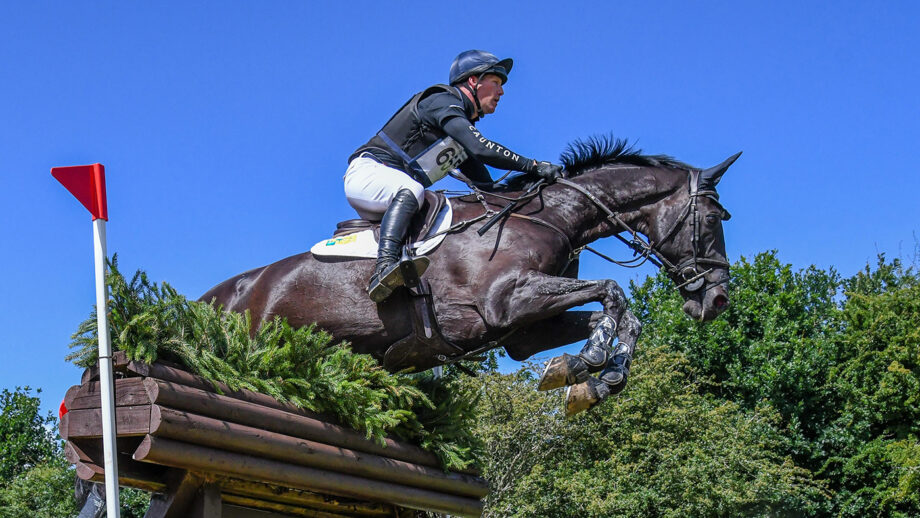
[[394, 268]]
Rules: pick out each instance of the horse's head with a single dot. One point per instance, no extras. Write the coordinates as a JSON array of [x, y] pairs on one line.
[[687, 236]]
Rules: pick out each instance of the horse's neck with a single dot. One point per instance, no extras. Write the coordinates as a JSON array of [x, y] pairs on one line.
[[632, 192]]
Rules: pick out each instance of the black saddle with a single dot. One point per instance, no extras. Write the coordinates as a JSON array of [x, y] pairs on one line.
[[421, 223]]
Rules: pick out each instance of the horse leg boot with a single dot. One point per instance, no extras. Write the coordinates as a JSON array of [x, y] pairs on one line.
[[392, 264], [570, 370], [613, 379]]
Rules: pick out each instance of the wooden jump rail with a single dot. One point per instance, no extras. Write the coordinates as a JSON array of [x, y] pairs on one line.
[[199, 450]]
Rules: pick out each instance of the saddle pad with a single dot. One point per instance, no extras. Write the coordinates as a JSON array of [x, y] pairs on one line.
[[363, 245]]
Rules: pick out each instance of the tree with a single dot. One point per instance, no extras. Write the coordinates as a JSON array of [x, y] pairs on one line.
[[836, 358], [44, 490], [663, 448], [26, 438]]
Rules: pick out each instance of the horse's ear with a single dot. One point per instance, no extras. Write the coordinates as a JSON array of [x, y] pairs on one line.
[[709, 178]]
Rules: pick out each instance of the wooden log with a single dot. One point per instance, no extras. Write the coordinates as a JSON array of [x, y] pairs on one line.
[[205, 431], [187, 379], [119, 364], [128, 392], [250, 413], [199, 458], [207, 503], [127, 476], [181, 490], [87, 456], [63, 425], [87, 423], [91, 449], [288, 510], [303, 499], [180, 378]]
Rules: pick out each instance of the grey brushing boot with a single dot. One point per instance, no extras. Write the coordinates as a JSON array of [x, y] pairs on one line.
[[395, 268]]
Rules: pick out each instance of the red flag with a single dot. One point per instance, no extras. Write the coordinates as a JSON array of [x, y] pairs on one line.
[[87, 184]]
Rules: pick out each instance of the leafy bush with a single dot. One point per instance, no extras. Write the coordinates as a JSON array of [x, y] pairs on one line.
[[44, 490], [661, 449], [300, 366], [837, 359], [26, 438]]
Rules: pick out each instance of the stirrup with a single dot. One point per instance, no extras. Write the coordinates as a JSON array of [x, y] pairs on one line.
[[406, 273]]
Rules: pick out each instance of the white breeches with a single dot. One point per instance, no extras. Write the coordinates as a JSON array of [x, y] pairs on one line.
[[370, 187]]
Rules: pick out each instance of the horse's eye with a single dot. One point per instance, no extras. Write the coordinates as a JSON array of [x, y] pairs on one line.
[[712, 219]]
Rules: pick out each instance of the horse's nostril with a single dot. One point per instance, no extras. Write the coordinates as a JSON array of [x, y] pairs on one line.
[[720, 302]]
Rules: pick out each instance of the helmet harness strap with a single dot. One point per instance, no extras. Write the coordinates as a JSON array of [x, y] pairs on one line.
[[475, 93]]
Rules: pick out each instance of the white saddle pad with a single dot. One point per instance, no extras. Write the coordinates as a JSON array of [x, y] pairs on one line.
[[363, 245]]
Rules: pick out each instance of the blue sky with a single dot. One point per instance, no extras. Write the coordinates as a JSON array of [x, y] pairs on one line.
[[225, 127]]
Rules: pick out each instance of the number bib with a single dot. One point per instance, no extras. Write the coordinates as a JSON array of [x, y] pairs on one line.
[[439, 159]]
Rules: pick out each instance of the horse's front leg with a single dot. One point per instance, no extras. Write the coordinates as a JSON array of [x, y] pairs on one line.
[[612, 380], [538, 292], [551, 333]]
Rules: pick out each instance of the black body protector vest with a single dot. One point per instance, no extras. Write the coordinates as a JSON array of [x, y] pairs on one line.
[[425, 152]]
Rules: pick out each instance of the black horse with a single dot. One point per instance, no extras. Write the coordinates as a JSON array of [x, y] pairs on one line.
[[513, 286]]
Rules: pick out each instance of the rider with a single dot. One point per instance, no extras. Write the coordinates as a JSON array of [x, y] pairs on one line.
[[432, 134]]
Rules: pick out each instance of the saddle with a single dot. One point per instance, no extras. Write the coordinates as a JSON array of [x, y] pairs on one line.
[[422, 222]]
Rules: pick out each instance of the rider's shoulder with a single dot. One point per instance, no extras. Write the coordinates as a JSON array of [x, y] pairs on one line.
[[437, 100]]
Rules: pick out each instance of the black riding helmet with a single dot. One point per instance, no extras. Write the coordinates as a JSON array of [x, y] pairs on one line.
[[478, 63]]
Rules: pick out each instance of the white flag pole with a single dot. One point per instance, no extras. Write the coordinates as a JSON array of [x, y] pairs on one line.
[[113, 509]]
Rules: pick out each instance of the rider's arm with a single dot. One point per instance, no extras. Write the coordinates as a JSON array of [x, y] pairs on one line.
[[484, 150], [475, 171], [447, 112]]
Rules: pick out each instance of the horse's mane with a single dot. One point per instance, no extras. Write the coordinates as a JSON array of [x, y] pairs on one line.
[[583, 155]]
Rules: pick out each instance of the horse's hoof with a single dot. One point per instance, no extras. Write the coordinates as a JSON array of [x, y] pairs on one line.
[[561, 371], [616, 373], [585, 396]]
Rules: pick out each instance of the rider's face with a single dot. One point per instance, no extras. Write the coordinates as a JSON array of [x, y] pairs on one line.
[[489, 90]]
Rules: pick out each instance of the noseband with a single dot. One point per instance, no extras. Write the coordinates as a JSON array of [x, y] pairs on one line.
[[691, 270]]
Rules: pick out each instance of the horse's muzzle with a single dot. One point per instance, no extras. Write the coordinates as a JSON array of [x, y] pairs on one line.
[[709, 302]]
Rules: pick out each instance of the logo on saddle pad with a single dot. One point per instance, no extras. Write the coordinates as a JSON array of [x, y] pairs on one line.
[[344, 240], [363, 245]]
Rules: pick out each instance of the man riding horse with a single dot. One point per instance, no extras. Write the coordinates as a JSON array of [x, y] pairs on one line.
[[431, 135]]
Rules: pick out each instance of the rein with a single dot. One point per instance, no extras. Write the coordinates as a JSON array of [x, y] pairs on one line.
[[689, 273], [688, 270]]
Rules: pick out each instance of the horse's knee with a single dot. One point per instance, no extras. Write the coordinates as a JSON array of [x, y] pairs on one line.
[[616, 301]]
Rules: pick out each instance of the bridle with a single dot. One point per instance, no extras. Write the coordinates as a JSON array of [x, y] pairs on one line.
[[690, 273]]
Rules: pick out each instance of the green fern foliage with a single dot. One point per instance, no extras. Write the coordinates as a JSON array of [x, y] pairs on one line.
[[297, 365]]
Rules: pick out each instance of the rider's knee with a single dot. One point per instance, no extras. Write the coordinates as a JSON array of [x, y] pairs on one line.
[[416, 189]]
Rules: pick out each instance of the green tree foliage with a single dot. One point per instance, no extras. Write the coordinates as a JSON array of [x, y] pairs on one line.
[[26, 438], [771, 347], [664, 448], [877, 426], [837, 359], [300, 366], [44, 490], [37, 481]]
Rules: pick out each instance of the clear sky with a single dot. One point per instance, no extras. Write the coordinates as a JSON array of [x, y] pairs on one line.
[[225, 127]]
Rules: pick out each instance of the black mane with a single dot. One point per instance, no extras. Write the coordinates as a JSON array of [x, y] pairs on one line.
[[583, 155]]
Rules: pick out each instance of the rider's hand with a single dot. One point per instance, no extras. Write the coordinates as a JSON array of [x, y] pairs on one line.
[[548, 171]]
